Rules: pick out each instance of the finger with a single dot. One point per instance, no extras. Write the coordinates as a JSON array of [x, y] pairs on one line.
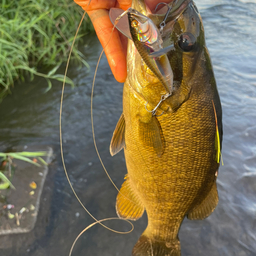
[[124, 42], [111, 43], [103, 4], [89, 5], [124, 4]]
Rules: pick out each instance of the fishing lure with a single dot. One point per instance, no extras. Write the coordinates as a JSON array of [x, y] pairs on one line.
[[148, 41]]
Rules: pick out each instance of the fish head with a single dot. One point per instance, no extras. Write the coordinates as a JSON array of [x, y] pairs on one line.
[[189, 58], [186, 33]]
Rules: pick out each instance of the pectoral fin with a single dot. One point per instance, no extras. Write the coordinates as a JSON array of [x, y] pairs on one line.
[[118, 142], [151, 135], [207, 206], [128, 204]]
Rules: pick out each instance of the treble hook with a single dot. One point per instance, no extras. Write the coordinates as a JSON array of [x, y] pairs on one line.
[[163, 24], [153, 111], [163, 98]]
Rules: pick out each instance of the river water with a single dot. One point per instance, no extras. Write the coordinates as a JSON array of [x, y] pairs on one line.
[[30, 116]]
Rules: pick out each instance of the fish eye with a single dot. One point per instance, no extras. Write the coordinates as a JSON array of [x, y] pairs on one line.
[[134, 23], [186, 42]]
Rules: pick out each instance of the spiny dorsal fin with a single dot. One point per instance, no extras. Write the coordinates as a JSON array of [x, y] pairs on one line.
[[151, 135], [117, 142], [128, 204], [207, 206]]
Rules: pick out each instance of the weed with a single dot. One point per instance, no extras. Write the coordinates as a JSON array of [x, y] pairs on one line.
[[7, 164], [37, 34]]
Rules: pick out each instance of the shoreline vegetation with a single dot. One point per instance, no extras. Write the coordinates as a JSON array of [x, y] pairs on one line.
[[36, 35]]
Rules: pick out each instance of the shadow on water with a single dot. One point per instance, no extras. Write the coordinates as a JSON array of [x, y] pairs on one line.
[[30, 116]]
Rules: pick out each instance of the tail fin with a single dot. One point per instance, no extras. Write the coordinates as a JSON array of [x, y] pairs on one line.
[[150, 247]]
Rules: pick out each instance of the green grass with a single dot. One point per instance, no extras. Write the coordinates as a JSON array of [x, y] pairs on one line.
[[36, 35], [6, 164]]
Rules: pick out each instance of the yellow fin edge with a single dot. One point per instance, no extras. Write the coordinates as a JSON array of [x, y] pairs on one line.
[[217, 138]]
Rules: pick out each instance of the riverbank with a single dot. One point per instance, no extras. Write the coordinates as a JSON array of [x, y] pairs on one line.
[[35, 39]]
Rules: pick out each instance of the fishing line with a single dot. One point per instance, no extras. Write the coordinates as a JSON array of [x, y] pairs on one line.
[[88, 227], [61, 144], [93, 130]]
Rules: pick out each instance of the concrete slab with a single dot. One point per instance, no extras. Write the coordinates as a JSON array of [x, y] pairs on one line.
[[19, 207]]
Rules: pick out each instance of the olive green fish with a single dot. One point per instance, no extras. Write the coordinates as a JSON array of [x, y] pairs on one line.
[[171, 144]]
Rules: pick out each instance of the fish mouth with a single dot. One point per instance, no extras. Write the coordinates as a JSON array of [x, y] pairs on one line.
[[120, 19], [140, 10]]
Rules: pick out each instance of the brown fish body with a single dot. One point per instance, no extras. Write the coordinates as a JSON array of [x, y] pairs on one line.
[[170, 157]]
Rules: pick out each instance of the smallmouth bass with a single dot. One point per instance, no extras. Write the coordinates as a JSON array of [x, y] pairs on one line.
[[172, 150]]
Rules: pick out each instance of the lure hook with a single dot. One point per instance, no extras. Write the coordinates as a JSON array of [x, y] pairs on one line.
[[160, 4], [163, 23], [153, 111], [163, 98]]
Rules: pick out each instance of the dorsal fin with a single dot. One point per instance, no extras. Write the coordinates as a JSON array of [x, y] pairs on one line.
[[118, 142]]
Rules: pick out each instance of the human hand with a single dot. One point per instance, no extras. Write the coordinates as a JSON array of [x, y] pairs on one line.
[[98, 11]]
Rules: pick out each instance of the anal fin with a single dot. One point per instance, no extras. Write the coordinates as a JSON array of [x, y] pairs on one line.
[[128, 204], [207, 206], [118, 140]]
